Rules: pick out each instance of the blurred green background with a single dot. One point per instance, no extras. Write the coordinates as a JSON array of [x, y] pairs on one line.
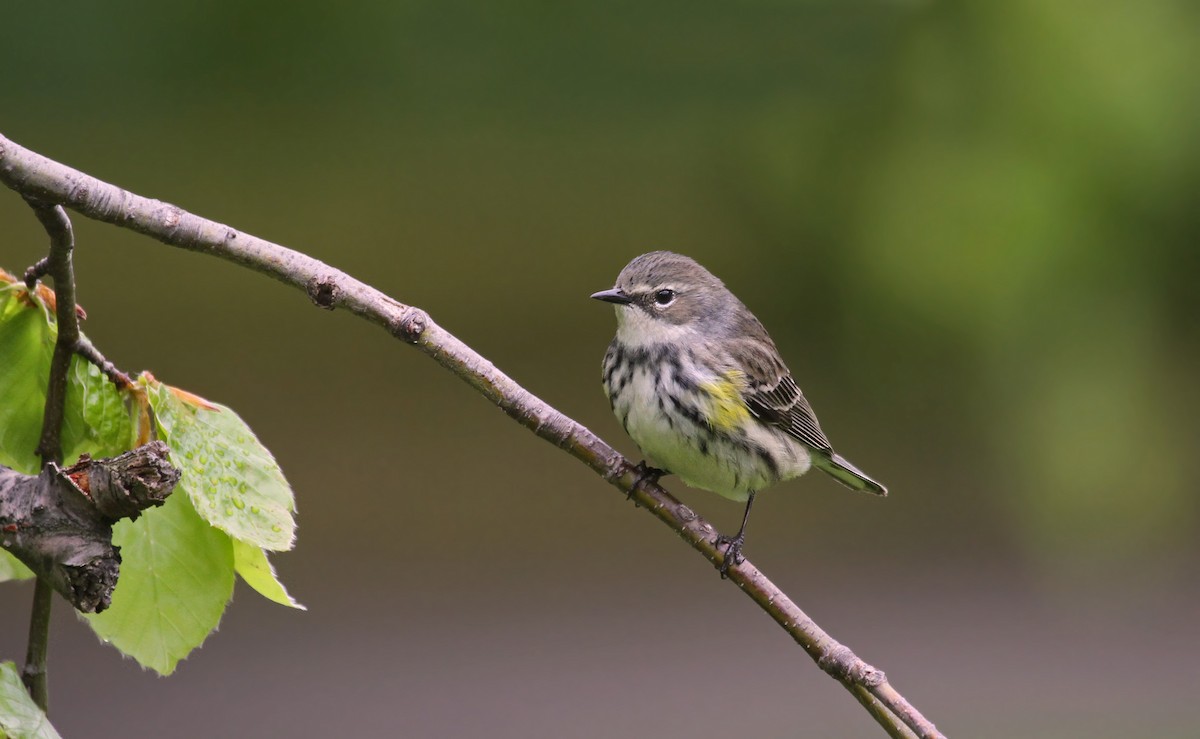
[[971, 229]]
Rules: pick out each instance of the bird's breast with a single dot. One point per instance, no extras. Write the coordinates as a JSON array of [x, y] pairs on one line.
[[694, 423]]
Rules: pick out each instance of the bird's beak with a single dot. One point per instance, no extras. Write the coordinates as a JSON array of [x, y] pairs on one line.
[[615, 295]]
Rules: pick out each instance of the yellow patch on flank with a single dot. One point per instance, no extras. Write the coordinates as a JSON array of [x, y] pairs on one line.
[[727, 411]]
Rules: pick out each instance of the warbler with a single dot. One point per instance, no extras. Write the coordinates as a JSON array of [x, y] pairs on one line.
[[700, 387]]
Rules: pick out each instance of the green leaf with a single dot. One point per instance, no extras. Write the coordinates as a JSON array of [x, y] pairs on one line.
[[26, 344], [176, 577], [233, 481], [257, 571], [11, 568], [96, 419], [20, 718]]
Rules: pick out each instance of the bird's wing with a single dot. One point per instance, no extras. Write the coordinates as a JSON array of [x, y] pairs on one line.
[[773, 396]]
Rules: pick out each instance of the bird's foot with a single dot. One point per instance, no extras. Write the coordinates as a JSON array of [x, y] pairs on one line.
[[645, 473], [733, 553]]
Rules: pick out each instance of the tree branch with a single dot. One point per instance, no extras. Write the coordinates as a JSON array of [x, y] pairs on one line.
[[58, 265], [59, 522], [31, 174], [36, 272], [88, 351], [34, 674]]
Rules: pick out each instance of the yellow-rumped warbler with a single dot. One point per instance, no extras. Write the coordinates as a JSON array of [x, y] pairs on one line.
[[696, 381]]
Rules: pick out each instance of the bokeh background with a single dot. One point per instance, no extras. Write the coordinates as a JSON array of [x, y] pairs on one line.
[[971, 227]]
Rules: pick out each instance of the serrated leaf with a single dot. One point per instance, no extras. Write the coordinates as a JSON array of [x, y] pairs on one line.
[[256, 570], [26, 344], [20, 718], [233, 481], [11, 568], [96, 419], [176, 578]]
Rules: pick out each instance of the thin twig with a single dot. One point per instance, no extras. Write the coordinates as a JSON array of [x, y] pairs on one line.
[[87, 350], [34, 673], [36, 272], [32, 174], [881, 714], [58, 265], [62, 242]]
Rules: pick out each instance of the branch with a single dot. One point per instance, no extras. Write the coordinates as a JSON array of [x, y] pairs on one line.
[[58, 265], [31, 174], [59, 522], [88, 351], [36, 272]]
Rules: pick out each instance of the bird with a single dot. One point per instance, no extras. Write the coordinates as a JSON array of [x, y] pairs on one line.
[[698, 384]]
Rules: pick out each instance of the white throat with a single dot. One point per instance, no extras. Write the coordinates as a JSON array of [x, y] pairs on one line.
[[637, 329]]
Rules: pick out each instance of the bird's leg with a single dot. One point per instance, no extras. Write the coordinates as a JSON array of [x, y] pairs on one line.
[[645, 473], [733, 544]]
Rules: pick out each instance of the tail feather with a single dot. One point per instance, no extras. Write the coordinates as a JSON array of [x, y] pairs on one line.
[[840, 469]]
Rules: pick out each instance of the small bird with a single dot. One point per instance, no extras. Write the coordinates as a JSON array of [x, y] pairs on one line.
[[700, 387]]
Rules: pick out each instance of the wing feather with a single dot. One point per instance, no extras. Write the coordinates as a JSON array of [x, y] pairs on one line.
[[773, 396]]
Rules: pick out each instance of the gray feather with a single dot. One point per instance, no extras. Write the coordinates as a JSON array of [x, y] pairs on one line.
[[773, 396], [840, 469]]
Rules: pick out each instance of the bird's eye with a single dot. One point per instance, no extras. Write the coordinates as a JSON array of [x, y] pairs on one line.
[[664, 297]]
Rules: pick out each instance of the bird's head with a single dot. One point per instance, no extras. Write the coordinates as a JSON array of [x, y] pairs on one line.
[[662, 295]]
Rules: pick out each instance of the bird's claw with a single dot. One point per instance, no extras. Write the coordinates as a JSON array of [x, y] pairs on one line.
[[645, 473], [733, 553]]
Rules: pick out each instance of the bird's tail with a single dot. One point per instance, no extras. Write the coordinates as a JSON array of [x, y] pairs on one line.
[[837, 467]]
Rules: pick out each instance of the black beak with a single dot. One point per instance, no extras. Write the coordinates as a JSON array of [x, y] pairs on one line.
[[615, 295]]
